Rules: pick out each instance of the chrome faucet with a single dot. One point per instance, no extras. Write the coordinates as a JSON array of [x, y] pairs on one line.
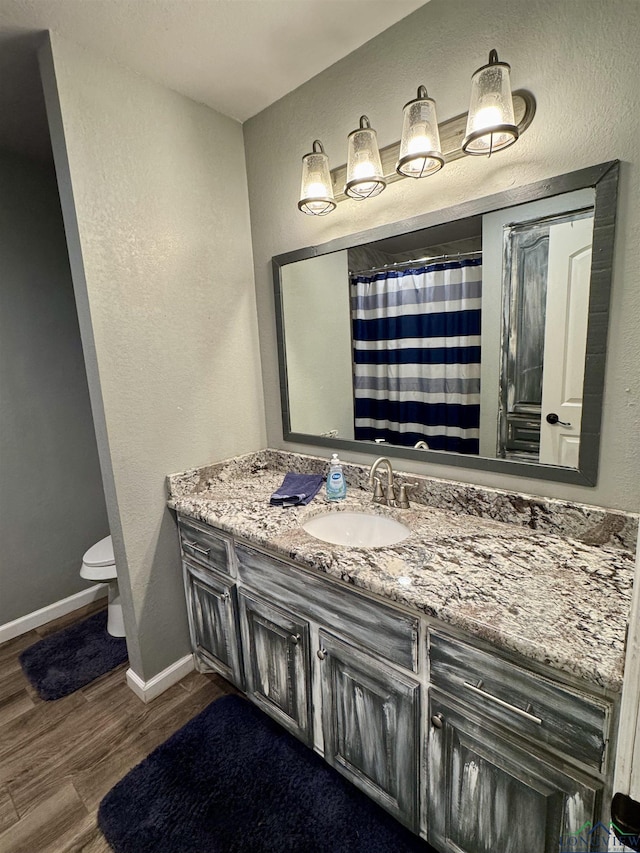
[[389, 496]]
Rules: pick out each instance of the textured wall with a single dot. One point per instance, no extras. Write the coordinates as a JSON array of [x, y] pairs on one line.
[[580, 61], [52, 505], [167, 308]]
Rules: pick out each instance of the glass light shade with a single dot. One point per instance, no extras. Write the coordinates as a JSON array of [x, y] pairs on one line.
[[491, 124], [420, 153], [364, 169], [316, 191]]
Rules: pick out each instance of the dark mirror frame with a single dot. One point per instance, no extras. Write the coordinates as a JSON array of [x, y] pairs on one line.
[[604, 179]]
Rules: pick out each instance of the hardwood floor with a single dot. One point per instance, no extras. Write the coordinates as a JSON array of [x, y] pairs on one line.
[[58, 759]]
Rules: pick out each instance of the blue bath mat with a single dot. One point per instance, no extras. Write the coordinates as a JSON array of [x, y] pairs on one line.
[[67, 660], [233, 781]]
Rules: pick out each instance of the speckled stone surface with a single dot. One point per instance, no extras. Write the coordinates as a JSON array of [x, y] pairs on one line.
[[554, 589], [589, 524]]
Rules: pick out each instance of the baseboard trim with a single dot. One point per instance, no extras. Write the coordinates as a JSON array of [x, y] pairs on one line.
[[10, 630], [149, 690]]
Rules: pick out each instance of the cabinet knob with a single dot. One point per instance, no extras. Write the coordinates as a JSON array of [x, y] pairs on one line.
[[437, 721], [322, 653], [295, 639]]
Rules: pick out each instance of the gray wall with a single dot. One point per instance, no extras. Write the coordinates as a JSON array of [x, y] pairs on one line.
[[317, 323], [580, 61], [155, 200], [52, 505]]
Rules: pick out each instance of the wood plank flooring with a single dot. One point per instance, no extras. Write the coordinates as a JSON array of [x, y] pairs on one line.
[[58, 759]]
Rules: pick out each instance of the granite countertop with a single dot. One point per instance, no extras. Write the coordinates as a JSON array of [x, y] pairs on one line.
[[553, 598]]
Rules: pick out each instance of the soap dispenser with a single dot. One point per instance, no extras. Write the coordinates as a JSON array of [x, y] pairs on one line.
[[336, 484]]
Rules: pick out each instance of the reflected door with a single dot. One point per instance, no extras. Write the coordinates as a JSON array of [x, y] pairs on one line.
[[567, 310], [526, 273]]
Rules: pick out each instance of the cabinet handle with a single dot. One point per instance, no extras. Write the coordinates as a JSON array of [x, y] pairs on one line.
[[322, 653], [437, 721], [295, 639], [477, 688], [204, 551]]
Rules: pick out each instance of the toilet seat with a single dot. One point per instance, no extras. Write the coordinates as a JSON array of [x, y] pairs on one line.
[[99, 564]]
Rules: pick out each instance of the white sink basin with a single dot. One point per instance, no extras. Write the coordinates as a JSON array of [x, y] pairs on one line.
[[359, 529]]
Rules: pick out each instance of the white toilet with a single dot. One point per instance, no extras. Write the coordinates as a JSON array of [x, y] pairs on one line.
[[99, 564]]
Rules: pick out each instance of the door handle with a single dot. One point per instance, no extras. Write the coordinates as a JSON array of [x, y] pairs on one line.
[[552, 419]]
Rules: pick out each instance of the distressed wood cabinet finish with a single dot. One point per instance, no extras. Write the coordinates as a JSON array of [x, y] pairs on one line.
[[372, 624], [370, 726], [369, 711], [508, 760], [488, 794], [202, 546], [521, 701], [277, 664], [213, 621]]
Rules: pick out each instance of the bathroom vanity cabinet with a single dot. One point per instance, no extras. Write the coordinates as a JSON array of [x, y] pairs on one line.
[[212, 602], [468, 746], [515, 760]]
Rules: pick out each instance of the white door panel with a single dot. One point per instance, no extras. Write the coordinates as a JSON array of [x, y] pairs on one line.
[[565, 341]]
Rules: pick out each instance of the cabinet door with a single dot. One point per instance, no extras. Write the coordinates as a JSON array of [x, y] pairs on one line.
[[486, 794], [277, 663], [213, 621], [370, 726]]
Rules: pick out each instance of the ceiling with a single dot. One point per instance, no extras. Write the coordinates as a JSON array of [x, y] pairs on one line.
[[237, 56]]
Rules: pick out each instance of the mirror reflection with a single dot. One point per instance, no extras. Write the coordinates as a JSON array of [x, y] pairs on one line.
[[464, 338]]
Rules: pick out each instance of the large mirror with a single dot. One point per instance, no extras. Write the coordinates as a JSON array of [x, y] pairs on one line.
[[473, 336]]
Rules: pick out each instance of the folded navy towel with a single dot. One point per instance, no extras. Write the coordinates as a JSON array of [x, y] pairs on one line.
[[297, 489]]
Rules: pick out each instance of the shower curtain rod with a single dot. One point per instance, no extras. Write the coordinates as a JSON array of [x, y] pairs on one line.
[[431, 260]]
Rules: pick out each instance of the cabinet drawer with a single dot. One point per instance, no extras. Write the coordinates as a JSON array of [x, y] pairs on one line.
[[522, 701], [203, 546], [391, 633]]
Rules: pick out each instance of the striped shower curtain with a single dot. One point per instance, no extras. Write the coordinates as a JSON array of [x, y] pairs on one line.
[[416, 347]]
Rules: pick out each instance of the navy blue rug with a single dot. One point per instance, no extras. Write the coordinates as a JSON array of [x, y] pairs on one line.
[[67, 660], [233, 781]]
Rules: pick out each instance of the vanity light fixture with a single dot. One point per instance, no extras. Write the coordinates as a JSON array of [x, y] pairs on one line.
[[496, 118], [364, 169], [491, 125], [420, 153], [316, 191]]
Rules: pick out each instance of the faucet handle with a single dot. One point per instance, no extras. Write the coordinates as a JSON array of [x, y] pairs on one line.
[[403, 500], [391, 494], [378, 494]]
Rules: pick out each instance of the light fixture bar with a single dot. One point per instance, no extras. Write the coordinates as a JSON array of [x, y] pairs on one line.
[[452, 133]]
